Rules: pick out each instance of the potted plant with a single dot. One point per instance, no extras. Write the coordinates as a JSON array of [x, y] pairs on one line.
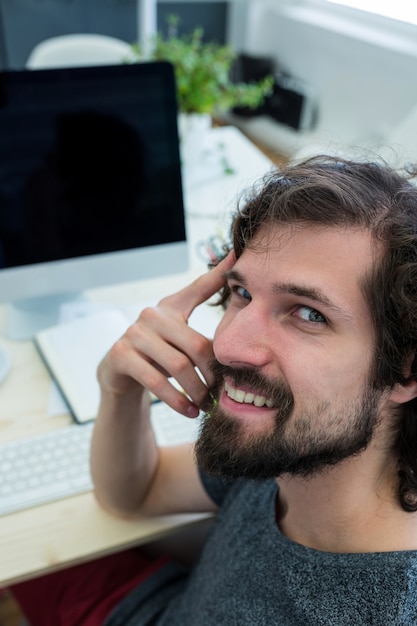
[[205, 90], [203, 72]]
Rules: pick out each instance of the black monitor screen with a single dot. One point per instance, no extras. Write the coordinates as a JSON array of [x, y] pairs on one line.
[[89, 162]]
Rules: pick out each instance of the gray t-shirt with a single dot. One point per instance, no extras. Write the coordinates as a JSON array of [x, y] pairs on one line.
[[251, 575]]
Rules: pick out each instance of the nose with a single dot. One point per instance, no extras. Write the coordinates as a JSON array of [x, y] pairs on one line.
[[242, 338]]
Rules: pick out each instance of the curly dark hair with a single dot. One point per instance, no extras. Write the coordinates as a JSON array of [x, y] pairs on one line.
[[336, 192]]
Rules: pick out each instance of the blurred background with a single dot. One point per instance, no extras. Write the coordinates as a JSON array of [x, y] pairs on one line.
[[355, 69]]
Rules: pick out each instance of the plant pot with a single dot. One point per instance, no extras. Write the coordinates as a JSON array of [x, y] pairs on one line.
[[194, 136]]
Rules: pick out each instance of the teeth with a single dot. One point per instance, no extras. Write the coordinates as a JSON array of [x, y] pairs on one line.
[[238, 395]]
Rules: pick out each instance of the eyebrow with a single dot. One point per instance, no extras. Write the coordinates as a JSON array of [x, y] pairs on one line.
[[312, 293]]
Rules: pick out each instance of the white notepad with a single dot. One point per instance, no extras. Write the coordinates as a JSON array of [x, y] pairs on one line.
[[72, 352]]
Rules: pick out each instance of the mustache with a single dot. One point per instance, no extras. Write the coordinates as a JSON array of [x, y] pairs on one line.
[[276, 390]]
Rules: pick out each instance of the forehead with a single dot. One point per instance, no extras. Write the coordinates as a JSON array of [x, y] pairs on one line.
[[300, 238], [334, 260]]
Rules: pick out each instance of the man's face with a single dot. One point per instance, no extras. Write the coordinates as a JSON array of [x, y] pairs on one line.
[[294, 352]]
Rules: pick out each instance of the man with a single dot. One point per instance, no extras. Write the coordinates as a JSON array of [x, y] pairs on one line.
[[308, 451]]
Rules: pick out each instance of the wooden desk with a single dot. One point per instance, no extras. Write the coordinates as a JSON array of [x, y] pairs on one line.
[[55, 535]]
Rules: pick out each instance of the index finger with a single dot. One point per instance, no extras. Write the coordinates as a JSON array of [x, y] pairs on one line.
[[201, 289]]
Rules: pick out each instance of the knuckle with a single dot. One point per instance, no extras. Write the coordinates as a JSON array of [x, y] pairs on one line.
[[149, 314], [118, 350], [155, 383], [201, 346], [137, 335], [180, 363], [132, 334]]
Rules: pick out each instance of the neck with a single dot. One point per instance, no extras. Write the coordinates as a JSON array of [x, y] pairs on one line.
[[352, 507]]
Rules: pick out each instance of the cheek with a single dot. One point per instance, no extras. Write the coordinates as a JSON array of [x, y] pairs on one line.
[[324, 372]]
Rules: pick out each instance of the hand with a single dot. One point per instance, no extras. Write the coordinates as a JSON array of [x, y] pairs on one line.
[[160, 344]]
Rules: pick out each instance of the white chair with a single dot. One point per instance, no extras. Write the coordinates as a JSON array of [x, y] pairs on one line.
[[78, 50]]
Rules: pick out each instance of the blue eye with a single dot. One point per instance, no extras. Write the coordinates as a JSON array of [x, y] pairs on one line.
[[308, 314], [243, 293], [240, 294]]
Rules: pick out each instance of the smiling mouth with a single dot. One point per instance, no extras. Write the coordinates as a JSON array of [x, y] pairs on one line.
[[245, 397]]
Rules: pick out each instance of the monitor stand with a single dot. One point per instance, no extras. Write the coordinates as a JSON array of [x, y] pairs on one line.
[[27, 317]]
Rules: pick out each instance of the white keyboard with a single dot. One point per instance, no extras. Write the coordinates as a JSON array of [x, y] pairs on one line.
[[55, 465]]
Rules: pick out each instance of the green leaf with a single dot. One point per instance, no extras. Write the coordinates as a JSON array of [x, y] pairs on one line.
[[202, 72]]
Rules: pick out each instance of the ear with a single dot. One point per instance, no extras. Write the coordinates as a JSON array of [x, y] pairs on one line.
[[404, 392]]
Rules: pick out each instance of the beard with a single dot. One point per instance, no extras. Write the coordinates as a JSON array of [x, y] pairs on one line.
[[298, 440]]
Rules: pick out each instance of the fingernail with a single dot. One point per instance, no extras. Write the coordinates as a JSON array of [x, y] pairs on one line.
[[193, 411]]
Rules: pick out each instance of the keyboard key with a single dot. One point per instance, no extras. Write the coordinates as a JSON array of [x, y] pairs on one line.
[[55, 465]]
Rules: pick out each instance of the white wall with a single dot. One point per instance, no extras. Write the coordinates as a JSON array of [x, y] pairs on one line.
[[363, 71]]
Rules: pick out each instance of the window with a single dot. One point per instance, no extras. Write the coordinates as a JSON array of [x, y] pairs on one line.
[[402, 10]]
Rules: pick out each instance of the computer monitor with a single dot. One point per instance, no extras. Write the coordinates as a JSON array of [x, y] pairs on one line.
[[90, 183]]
